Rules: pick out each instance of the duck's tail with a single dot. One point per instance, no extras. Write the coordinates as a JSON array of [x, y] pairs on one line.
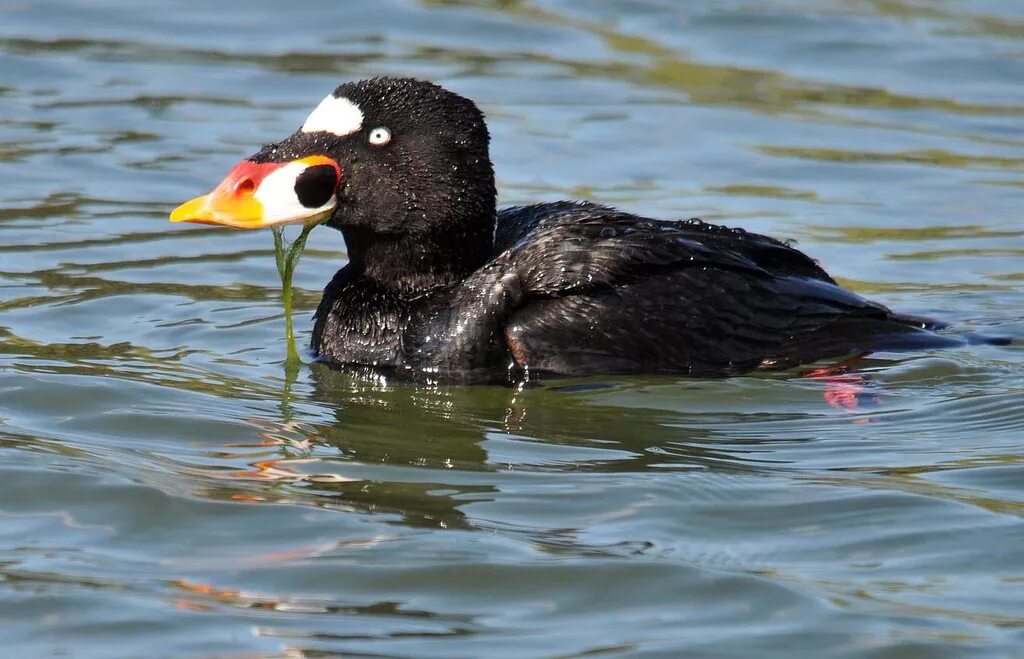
[[971, 338], [864, 335]]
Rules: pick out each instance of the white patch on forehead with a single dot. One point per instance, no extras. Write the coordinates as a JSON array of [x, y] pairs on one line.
[[334, 115]]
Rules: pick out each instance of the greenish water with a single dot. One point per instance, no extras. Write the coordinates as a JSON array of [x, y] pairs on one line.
[[162, 494]]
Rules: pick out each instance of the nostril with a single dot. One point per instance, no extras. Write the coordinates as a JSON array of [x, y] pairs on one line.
[[245, 187]]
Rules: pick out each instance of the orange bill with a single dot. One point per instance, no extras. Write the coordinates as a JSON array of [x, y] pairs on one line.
[[257, 195]]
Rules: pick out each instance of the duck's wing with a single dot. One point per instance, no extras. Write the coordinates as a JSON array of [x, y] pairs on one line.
[[588, 289], [537, 232]]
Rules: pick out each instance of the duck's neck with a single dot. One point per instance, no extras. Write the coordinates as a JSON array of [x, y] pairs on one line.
[[418, 263]]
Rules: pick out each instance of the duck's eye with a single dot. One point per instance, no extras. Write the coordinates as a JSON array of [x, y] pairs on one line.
[[379, 136]]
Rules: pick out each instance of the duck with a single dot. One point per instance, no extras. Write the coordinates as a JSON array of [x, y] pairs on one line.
[[440, 283]]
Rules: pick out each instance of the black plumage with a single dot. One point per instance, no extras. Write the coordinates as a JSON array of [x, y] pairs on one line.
[[576, 288], [441, 284]]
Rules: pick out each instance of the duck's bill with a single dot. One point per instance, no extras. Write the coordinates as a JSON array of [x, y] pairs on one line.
[[255, 195]]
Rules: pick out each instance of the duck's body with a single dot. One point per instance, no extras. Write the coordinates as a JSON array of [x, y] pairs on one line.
[[574, 288], [440, 283]]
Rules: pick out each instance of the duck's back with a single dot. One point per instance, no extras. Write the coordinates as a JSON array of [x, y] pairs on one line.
[[604, 291]]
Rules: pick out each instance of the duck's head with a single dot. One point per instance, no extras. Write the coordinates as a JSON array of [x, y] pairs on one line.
[[400, 166]]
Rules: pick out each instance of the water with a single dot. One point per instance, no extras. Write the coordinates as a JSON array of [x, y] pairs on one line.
[[165, 490]]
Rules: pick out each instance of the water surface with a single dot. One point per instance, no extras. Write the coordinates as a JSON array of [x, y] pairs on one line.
[[166, 491]]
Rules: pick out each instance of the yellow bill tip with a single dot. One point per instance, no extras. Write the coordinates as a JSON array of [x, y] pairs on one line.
[[237, 213], [194, 210]]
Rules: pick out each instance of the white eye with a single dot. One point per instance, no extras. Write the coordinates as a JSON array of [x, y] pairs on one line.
[[379, 136]]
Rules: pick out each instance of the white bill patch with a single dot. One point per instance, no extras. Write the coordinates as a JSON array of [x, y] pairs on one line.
[[280, 203], [339, 116]]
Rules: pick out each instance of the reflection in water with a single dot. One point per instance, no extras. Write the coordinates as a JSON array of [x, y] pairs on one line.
[[450, 422], [452, 429]]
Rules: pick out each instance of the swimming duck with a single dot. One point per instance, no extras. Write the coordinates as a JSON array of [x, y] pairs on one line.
[[440, 282]]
